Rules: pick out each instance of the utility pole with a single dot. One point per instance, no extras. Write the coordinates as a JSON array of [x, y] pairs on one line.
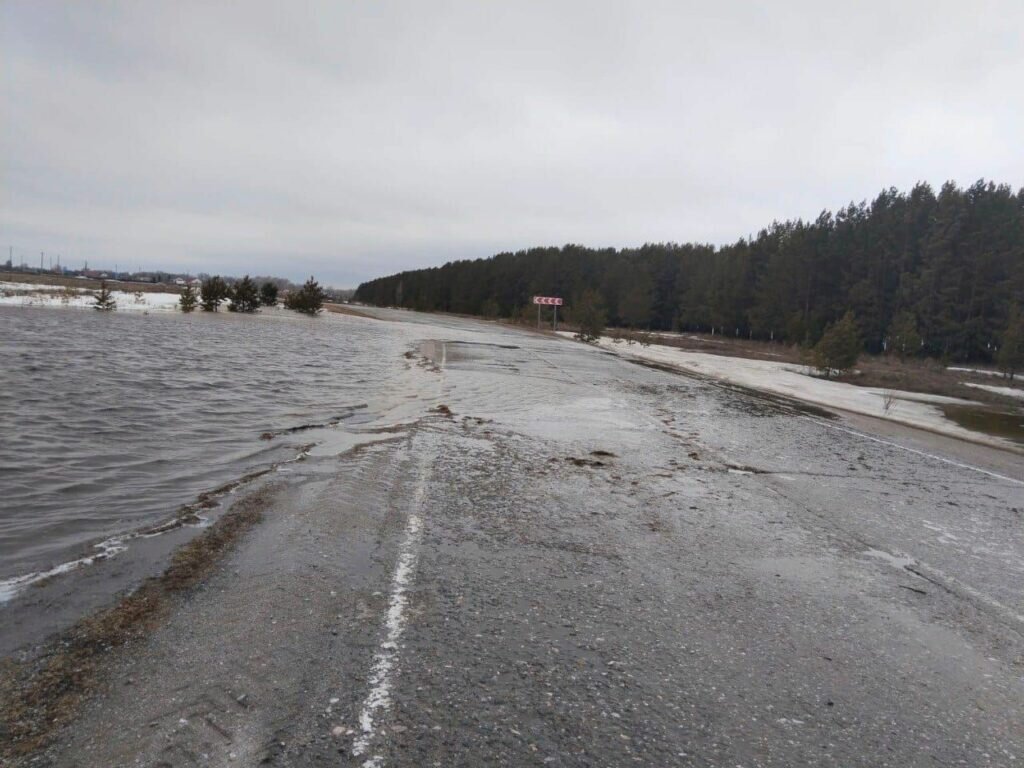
[[40, 261]]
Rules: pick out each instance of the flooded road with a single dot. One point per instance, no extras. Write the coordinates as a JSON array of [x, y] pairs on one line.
[[551, 556]]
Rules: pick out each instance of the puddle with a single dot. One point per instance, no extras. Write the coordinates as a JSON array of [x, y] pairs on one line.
[[1007, 424], [442, 352], [897, 560]]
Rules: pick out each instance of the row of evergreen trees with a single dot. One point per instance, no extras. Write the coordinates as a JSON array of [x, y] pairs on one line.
[[924, 273], [244, 296]]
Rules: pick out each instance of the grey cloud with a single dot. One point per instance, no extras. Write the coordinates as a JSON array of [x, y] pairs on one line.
[[355, 139]]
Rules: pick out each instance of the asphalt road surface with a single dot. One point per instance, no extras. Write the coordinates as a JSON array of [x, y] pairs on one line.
[[593, 563]]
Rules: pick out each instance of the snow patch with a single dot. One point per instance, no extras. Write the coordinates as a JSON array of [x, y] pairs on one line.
[[796, 381], [42, 295], [981, 371]]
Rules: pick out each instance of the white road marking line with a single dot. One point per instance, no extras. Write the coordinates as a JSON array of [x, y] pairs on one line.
[[914, 450], [378, 701], [903, 562]]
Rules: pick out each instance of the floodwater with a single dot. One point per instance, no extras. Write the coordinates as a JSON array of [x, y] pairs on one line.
[[1005, 423], [112, 422]]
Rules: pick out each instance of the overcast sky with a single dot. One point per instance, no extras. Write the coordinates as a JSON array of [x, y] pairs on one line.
[[354, 139]]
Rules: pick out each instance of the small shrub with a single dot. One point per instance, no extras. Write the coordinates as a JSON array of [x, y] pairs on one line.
[[1010, 356], [188, 299], [309, 299], [839, 347], [888, 398], [212, 293], [904, 339], [104, 300], [245, 297], [589, 315], [268, 294]]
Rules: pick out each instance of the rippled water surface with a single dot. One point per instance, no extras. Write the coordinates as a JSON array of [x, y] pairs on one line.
[[113, 421]]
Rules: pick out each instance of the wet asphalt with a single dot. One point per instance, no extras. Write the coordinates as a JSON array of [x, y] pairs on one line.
[[592, 563]]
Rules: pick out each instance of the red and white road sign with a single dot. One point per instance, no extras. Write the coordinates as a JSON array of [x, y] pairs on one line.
[[552, 300]]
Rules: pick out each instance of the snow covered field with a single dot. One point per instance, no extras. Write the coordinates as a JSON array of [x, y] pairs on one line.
[[979, 371], [795, 381], [38, 295]]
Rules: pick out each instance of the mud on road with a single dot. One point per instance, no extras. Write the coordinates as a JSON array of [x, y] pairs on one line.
[[583, 562]]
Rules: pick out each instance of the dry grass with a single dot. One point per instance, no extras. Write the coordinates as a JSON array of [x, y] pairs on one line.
[[346, 309], [39, 696], [927, 376], [713, 345], [75, 282]]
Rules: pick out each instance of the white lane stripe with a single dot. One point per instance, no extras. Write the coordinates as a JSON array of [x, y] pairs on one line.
[[914, 450], [378, 701]]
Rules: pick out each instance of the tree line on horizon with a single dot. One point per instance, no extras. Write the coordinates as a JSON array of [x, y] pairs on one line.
[[920, 273]]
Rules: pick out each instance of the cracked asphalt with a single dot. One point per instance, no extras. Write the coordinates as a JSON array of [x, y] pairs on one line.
[[588, 562]]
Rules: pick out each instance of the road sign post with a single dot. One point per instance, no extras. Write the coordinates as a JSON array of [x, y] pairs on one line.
[[551, 301]]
